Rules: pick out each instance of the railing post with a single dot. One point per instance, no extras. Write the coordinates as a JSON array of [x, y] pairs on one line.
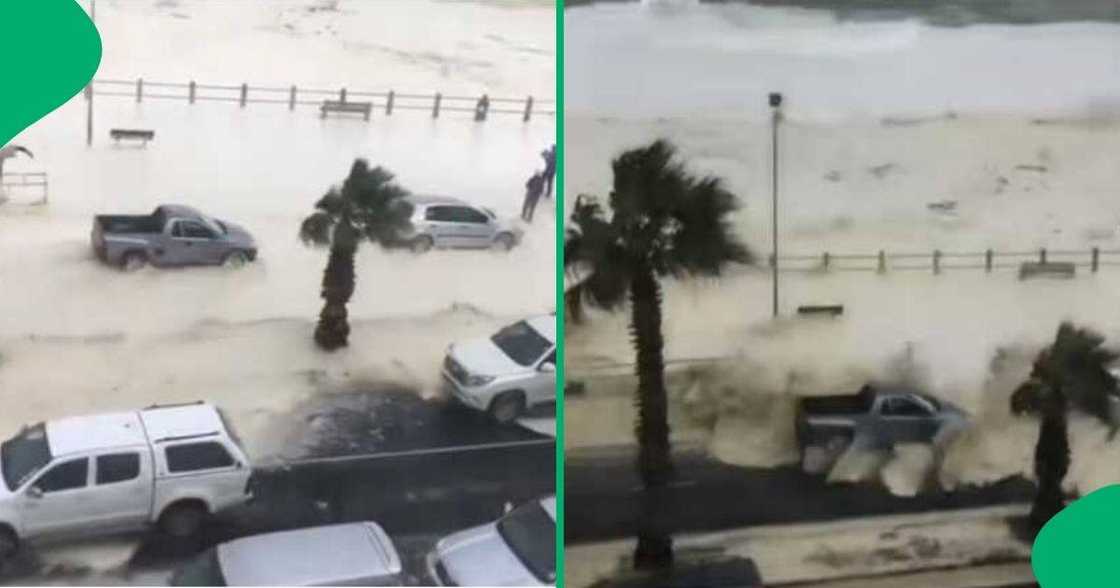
[[191, 94], [1096, 264], [882, 262], [342, 95], [435, 107], [139, 89], [825, 259], [1042, 255], [244, 94], [771, 260], [292, 98], [936, 261], [528, 109], [389, 103], [988, 261]]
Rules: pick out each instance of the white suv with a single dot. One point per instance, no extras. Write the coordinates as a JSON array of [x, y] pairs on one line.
[[92, 475], [506, 373]]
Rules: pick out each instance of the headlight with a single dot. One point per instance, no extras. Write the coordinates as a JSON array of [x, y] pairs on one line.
[[476, 380]]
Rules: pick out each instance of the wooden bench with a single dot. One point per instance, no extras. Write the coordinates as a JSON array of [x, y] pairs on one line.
[[819, 309], [363, 108], [138, 134], [1060, 269]]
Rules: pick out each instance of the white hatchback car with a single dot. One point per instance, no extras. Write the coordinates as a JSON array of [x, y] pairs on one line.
[[443, 222], [518, 549], [506, 373]]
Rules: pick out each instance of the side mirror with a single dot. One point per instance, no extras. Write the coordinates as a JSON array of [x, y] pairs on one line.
[[548, 367], [238, 465], [35, 492]]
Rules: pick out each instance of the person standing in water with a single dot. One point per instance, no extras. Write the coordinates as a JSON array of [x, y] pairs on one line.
[[6, 153], [533, 189]]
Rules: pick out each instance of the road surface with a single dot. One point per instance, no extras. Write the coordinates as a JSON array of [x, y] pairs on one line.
[[708, 495]]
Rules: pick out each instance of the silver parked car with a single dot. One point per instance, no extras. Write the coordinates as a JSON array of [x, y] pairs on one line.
[[518, 549], [349, 554], [439, 221]]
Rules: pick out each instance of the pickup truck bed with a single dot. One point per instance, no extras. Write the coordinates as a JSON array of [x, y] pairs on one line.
[[120, 223]]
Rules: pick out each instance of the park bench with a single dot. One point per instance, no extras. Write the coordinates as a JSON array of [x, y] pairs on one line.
[[363, 108], [1060, 269], [821, 309], [138, 134]]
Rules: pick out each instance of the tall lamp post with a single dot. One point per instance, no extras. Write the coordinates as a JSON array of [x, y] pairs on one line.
[[775, 118], [89, 86]]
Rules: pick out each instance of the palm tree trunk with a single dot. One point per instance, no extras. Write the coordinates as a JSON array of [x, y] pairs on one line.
[[333, 330], [1051, 460], [655, 544]]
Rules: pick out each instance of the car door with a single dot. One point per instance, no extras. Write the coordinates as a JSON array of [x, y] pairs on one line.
[[542, 388], [60, 501], [907, 420], [474, 226], [441, 226], [195, 244], [123, 480]]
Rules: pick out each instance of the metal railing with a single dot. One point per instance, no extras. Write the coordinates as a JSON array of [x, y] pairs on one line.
[[385, 102], [21, 180], [937, 261]]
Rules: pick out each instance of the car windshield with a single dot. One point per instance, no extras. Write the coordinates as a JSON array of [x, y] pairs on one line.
[[216, 225], [490, 213], [530, 533], [204, 570], [24, 455], [521, 343]]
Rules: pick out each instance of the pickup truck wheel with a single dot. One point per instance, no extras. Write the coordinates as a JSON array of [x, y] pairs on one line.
[[133, 261], [9, 543], [507, 407], [235, 260], [182, 520], [503, 242], [421, 244]]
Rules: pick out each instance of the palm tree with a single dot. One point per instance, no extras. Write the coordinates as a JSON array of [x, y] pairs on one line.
[[1072, 371], [369, 206], [665, 222]]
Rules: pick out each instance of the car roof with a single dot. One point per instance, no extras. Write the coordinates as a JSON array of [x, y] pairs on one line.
[[91, 433], [181, 420], [327, 555], [180, 210], [545, 325]]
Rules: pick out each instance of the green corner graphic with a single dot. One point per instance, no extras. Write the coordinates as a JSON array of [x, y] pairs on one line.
[[52, 51], [1075, 549]]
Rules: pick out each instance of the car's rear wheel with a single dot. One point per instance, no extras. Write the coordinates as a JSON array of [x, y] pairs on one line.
[[182, 520], [503, 242], [134, 261], [422, 244], [507, 407], [235, 260]]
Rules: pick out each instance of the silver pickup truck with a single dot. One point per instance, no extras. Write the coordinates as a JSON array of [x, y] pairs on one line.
[[171, 236], [875, 418]]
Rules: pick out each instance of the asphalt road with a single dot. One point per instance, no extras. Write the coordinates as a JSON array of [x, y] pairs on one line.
[[708, 495], [420, 469]]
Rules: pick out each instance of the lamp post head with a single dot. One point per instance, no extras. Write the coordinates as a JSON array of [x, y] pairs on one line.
[[775, 99]]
